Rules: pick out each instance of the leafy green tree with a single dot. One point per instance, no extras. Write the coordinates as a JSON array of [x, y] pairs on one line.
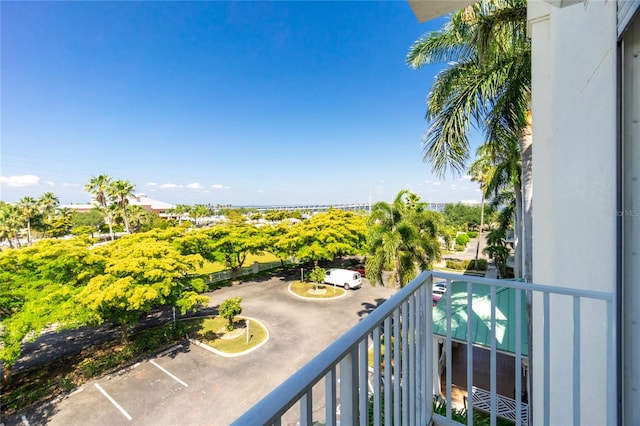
[[497, 249], [60, 224], [83, 230], [401, 237], [28, 209], [141, 272], [232, 243], [141, 220], [281, 242], [38, 288], [487, 83], [462, 217], [317, 275], [235, 215], [229, 244], [502, 172], [120, 191], [94, 218], [229, 309], [326, 236], [98, 186]]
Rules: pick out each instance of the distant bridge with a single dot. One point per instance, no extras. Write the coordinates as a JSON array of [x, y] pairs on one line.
[[324, 207]]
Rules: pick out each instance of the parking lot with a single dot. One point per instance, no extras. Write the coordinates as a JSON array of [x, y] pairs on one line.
[[193, 386]]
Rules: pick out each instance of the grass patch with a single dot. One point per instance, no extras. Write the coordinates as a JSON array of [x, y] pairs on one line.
[[212, 329], [302, 289], [212, 267]]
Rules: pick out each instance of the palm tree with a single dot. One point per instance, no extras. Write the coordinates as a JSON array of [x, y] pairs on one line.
[[501, 176], [487, 84], [98, 186], [9, 223], [28, 208], [48, 203], [401, 236], [120, 191]]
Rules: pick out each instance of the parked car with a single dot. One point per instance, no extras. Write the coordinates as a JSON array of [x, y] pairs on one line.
[[439, 288], [435, 299], [343, 277], [359, 269]]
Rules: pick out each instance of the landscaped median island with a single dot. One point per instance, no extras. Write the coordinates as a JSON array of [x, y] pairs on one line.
[[315, 291], [247, 334]]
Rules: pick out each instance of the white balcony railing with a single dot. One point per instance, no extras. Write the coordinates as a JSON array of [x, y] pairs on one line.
[[366, 378]]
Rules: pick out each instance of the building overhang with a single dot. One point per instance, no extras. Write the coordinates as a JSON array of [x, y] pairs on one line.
[[426, 10]]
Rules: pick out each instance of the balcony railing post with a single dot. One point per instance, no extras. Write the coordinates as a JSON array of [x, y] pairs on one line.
[[330, 397], [404, 348], [428, 351], [412, 360], [306, 409], [402, 395], [363, 381], [469, 353], [349, 388], [388, 385]]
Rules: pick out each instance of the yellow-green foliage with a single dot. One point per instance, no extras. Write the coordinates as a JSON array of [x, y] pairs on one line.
[[70, 283], [329, 235]]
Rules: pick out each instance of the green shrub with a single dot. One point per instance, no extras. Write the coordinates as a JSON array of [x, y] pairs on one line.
[[229, 309], [460, 265], [472, 234], [482, 265], [462, 239]]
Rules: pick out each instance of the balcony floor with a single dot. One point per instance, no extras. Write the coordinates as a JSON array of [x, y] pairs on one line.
[[505, 379]]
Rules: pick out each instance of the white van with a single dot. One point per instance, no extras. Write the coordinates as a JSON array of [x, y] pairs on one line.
[[343, 277]]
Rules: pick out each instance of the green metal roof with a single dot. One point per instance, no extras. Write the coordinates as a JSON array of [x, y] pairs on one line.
[[481, 318]]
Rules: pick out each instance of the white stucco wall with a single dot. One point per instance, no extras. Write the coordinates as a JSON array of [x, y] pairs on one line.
[[574, 178]]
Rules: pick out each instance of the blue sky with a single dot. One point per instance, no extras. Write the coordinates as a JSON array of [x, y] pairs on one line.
[[243, 103]]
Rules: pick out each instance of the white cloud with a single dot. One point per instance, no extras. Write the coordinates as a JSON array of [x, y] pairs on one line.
[[170, 186], [70, 185], [151, 184], [50, 183], [217, 186], [465, 177], [20, 181], [437, 183], [453, 186], [195, 185]]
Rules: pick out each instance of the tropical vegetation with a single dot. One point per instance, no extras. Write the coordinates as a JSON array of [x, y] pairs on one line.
[[486, 84], [402, 237]]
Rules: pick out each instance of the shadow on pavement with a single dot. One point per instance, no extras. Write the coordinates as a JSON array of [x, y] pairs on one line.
[[370, 307]]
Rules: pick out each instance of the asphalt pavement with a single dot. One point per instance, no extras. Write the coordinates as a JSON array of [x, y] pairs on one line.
[[192, 386]]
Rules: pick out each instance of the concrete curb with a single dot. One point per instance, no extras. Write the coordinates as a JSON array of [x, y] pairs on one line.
[[235, 355], [315, 299]]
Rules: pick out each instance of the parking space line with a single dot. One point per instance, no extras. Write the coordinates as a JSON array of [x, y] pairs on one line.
[[169, 374], [113, 401]]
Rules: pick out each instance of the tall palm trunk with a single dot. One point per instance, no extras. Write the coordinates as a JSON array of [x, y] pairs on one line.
[[481, 226], [517, 234], [525, 141], [397, 262], [126, 220], [28, 231], [110, 223]]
